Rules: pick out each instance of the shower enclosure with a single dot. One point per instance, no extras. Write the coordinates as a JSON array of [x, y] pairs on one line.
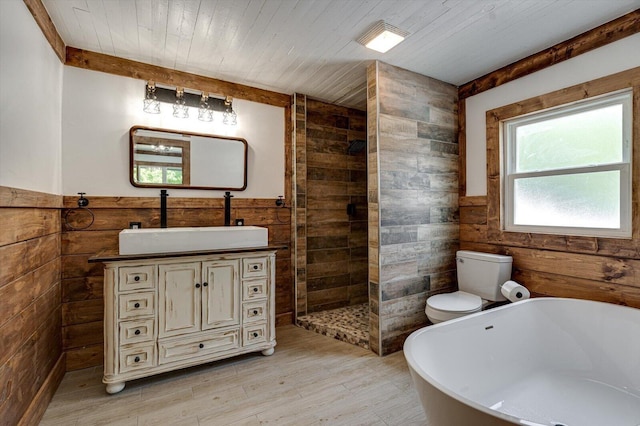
[[331, 220]]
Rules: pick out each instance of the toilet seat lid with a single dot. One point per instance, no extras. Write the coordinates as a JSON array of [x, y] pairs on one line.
[[458, 301]]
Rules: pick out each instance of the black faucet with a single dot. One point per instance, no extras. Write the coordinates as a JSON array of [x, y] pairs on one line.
[[163, 208], [227, 208]]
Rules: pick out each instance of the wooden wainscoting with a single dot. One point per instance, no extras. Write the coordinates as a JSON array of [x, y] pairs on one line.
[[82, 309], [29, 303], [578, 271]]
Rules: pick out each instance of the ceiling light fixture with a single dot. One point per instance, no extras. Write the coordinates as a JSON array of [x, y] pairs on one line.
[[382, 36]]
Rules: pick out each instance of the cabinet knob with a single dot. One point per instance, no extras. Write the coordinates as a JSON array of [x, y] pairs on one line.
[[255, 312], [136, 278], [136, 305], [255, 334], [255, 289], [255, 267], [205, 284], [136, 359], [137, 332], [201, 345], [197, 285]]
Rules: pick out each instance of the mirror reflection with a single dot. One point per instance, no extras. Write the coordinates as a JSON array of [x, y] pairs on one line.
[[171, 158]]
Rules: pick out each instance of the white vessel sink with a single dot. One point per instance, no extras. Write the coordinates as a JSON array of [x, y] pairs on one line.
[[171, 240]]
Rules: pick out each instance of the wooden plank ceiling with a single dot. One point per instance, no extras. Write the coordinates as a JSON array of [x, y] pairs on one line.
[[308, 46]]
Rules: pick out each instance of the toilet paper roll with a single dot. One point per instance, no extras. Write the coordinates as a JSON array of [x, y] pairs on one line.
[[514, 291]]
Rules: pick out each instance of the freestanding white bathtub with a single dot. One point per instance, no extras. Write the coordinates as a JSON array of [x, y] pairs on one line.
[[544, 361]]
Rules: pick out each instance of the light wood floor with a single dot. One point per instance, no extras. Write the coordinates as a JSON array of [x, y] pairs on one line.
[[310, 380]]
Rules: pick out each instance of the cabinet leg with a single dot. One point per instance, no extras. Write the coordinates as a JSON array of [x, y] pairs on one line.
[[268, 352], [115, 387]]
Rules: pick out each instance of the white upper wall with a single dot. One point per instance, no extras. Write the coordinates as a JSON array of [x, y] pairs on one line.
[[30, 104], [98, 111], [610, 59]]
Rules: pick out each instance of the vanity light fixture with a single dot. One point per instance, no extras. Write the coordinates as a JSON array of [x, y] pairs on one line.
[[182, 100], [382, 36], [229, 117], [205, 113], [180, 110], [151, 103]]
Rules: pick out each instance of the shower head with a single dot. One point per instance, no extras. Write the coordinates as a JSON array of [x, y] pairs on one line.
[[356, 146]]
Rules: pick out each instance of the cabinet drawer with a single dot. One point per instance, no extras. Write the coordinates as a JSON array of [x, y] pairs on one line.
[[176, 349], [254, 267], [137, 357], [136, 277], [135, 305], [254, 289], [254, 312], [254, 333], [137, 331]]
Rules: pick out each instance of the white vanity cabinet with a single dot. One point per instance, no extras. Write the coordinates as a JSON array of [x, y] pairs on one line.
[[165, 313]]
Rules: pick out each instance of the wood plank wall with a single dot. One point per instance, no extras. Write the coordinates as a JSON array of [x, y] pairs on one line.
[[413, 187], [553, 273], [82, 282], [31, 358], [602, 269], [336, 257]]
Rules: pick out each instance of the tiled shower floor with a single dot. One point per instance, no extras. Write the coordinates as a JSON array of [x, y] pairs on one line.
[[349, 324]]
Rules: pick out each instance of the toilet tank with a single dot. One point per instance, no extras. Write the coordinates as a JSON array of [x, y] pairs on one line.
[[483, 274]]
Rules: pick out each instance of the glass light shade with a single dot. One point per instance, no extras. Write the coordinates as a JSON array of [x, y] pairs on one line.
[[151, 103], [180, 110], [230, 117], [205, 113], [151, 106]]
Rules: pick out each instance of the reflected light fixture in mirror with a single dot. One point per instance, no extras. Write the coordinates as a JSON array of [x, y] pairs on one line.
[[151, 103], [381, 37], [205, 113], [230, 116], [180, 110]]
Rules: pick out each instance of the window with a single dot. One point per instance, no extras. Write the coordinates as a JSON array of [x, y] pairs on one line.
[[568, 170], [160, 162]]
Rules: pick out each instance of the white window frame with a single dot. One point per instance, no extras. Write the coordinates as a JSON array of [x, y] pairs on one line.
[[509, 127]]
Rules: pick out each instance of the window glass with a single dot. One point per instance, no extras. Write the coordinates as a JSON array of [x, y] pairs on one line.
[[576, 200], [568, 170], [580, 139]]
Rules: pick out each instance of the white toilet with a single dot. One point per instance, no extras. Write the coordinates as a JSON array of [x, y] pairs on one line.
[[480, 276]]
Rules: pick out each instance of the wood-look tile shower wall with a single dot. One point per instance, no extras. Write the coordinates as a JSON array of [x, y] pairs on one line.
[[328, 179], [413, 198]]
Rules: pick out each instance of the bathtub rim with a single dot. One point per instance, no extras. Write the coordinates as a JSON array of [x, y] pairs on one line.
[[415, 366]]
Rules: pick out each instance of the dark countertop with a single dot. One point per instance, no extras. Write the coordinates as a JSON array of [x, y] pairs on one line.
[[113, 256]]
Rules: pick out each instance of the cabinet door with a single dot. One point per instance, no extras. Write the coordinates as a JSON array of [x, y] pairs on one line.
[[221, 295], [180, 298]]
